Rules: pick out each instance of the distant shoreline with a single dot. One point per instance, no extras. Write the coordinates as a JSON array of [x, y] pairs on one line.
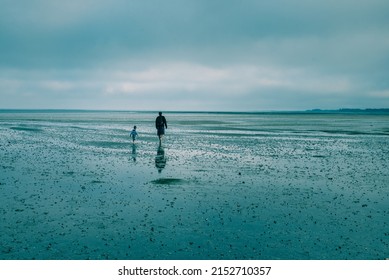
[[351, 110], [381, 111]]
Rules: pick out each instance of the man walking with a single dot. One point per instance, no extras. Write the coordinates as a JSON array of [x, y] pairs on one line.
[[160, 125]]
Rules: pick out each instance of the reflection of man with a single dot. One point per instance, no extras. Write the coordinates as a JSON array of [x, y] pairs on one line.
[[160, 160], [160, 125]]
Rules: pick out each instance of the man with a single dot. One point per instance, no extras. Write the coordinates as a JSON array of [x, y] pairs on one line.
[[160, 125]]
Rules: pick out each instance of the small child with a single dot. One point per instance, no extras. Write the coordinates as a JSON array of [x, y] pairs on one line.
[[133, 134]]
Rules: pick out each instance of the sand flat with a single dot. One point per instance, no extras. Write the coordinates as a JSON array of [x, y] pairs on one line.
[[222, 186]]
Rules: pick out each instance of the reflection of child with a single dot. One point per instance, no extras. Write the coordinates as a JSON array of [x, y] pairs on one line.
[[133, 134]]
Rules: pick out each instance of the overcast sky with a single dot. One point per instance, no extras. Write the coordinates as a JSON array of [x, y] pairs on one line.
[[222, 55]]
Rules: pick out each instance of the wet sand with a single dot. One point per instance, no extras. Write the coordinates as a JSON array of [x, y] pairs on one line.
[[221, 186]]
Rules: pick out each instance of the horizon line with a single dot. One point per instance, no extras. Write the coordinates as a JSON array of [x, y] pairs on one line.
[[340, 110]]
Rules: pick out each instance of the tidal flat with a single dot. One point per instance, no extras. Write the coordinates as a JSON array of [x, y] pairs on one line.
[[288, 186]]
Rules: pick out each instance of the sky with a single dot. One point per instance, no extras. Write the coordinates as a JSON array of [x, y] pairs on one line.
[[196, 55]]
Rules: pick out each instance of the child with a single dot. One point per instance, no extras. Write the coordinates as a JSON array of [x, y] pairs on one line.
[[133, 134]]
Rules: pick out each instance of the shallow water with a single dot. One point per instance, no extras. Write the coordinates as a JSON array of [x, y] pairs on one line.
[[221, 186]]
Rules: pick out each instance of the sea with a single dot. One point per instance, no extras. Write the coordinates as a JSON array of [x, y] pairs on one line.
[[220, 185]]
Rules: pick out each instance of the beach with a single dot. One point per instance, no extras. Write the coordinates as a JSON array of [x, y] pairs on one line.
[[291, 186]]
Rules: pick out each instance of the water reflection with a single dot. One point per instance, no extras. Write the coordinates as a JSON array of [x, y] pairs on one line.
[[160, 159], [133, 152]]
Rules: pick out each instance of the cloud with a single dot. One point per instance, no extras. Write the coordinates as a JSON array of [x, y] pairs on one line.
[[57, 85], [209, 53], [380, 94]]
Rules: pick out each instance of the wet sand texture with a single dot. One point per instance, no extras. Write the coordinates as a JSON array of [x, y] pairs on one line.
[[225, 186]]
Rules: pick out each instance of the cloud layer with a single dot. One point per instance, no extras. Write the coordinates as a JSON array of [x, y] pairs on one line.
[[194, 55]]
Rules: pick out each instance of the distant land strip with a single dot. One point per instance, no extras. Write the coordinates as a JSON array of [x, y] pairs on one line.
[[383, 111]]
